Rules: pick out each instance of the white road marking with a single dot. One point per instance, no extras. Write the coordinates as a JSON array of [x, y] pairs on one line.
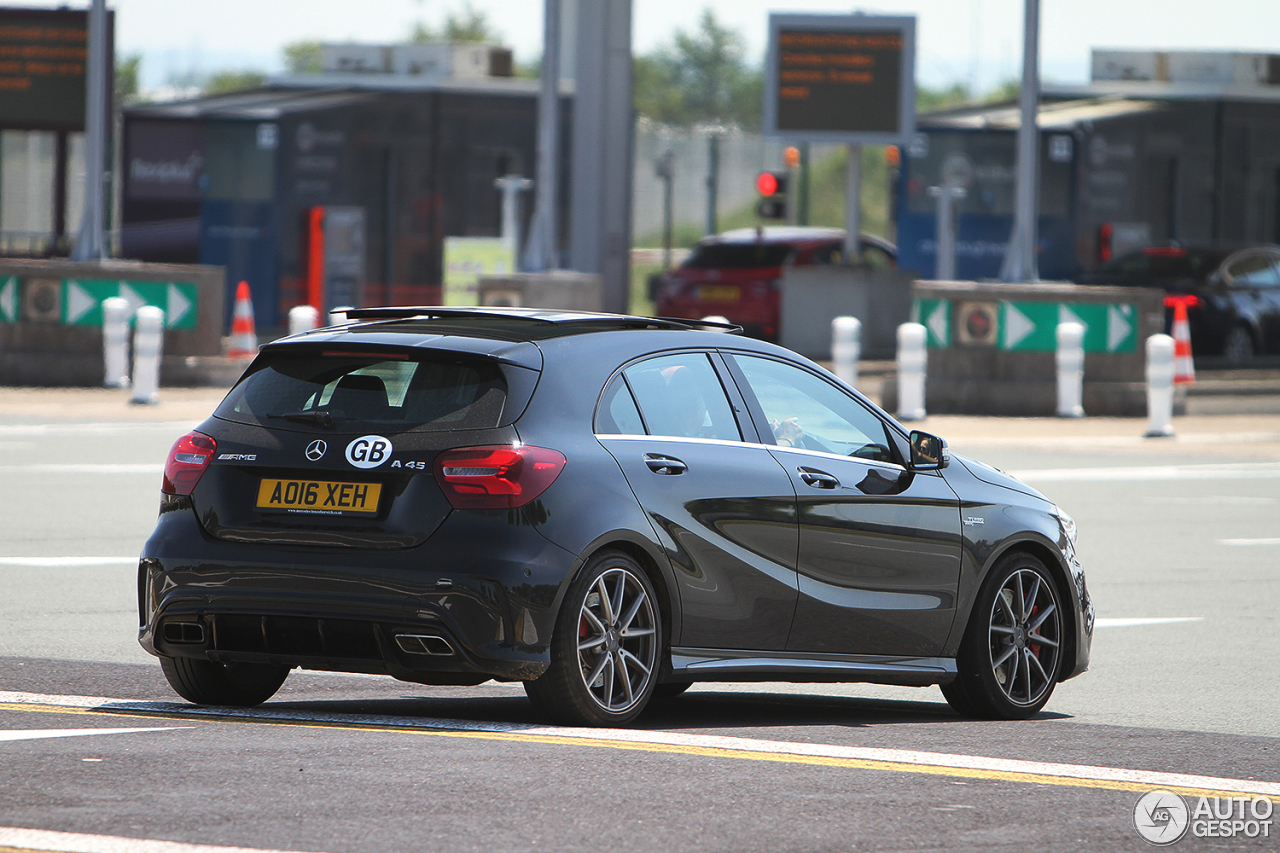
[[1147, 473], [176, 427], [149, 468], [1149, 620], [62, 562], [41, 734], [72, 842], [1273, 541], [744, 747]]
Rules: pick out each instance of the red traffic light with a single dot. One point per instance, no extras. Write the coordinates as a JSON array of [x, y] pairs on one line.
[[770, 183]]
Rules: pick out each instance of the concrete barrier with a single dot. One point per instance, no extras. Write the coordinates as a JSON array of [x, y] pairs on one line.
[[813, 296], [992, 346], [572, 291], [51, 317]]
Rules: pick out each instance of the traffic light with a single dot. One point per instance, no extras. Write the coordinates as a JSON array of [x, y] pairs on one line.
[[773, 188]]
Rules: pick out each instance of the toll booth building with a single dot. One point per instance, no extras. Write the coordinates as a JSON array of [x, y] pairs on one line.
[[1159, 147], [331, 192]]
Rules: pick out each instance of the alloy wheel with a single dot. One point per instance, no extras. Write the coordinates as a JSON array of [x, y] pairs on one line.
[[617, 640], [1025, 637]]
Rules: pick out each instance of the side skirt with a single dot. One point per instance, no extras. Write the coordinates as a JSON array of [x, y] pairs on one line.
[[735, 665]]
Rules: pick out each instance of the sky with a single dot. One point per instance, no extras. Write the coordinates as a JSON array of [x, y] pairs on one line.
[[971, 41]]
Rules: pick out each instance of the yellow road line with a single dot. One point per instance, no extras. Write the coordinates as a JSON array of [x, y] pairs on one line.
[[1001, 775]]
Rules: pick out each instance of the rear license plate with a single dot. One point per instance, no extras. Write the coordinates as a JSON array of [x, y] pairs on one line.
[[319, 497], [718, 292]]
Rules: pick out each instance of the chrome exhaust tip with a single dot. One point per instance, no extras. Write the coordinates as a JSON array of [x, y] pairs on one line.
[[424, 644]]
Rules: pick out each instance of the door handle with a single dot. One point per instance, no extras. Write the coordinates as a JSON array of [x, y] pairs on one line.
[[818, 479], [660, 464]]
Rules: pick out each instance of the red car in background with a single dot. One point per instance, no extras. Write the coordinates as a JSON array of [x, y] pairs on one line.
[[738, 274]]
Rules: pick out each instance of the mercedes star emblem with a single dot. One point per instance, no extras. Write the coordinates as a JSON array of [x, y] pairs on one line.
[[316, 449]]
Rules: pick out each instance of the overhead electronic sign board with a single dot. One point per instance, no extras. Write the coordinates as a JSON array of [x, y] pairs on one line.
[[43, 59], [841, 78]]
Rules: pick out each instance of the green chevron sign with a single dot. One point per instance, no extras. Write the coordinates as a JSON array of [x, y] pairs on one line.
[[82, 300]]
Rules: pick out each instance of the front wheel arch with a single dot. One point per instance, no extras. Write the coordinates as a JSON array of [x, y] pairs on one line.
[[1052, 559], [1003, 629]]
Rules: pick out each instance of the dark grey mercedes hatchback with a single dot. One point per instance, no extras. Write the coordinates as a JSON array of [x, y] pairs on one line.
[[605, 508]]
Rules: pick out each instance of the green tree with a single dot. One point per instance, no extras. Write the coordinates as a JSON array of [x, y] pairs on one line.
[[471, 25], [701, 76], [929, 99], [302, 57], [127, 79], [233, 81]]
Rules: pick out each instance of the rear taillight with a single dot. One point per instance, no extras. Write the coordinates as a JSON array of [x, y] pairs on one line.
[[497, 476], [187, 461]]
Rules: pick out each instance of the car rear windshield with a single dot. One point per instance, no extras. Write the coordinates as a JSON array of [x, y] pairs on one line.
[[739, 255], [351, 392]]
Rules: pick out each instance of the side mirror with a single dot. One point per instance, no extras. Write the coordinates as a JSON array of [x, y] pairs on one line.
[[928, 452]]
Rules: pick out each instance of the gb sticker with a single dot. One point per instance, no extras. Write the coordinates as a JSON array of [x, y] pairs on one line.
[[369, 451]]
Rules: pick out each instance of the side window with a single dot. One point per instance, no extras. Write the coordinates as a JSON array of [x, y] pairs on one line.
[[877, 258], [804, 411], [827, 255], [1256, 269], [618, 414], [680, 395]]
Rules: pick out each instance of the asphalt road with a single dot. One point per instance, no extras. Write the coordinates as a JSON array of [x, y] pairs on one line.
[[1180, 539]]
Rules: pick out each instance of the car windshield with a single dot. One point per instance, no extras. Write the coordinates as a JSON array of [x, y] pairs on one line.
[[739, 255], [351, 392]]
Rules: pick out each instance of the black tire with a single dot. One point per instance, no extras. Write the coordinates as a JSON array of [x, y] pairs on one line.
[[239, 685], [1011, 653], [1238, 347], [595, 640], [670, 689]]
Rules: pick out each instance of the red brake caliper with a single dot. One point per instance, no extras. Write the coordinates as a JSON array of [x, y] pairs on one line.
[[1035, 647]]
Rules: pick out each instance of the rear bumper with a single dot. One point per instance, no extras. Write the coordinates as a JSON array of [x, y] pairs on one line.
[[465, 606]]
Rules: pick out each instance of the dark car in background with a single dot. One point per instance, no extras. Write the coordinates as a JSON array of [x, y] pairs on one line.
[[1232, 297], [605, 508], [738, 274]]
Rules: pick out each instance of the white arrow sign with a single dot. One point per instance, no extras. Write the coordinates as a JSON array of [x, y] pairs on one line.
[[128, 294], [937, 323], [1016, 326], [79, 301], [9, 300], [177, 305], [1066, 315], [1118, 327]]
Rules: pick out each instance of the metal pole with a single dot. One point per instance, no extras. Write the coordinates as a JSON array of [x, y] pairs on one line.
[[853, 204], [666, 171], [89, 244], [543, 248], [947, 195], [802, 191], [1020, 258], [713, 179]]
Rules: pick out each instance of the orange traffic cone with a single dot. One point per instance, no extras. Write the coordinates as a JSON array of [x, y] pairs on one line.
[[1184, 370], [244, 340]]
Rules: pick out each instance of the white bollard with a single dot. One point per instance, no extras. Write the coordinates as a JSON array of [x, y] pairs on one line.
[[846, 348], [148, 342], [115, 342], [303, 318], [912, 364], [1160, 371], [1070, 358], [338, 316]]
